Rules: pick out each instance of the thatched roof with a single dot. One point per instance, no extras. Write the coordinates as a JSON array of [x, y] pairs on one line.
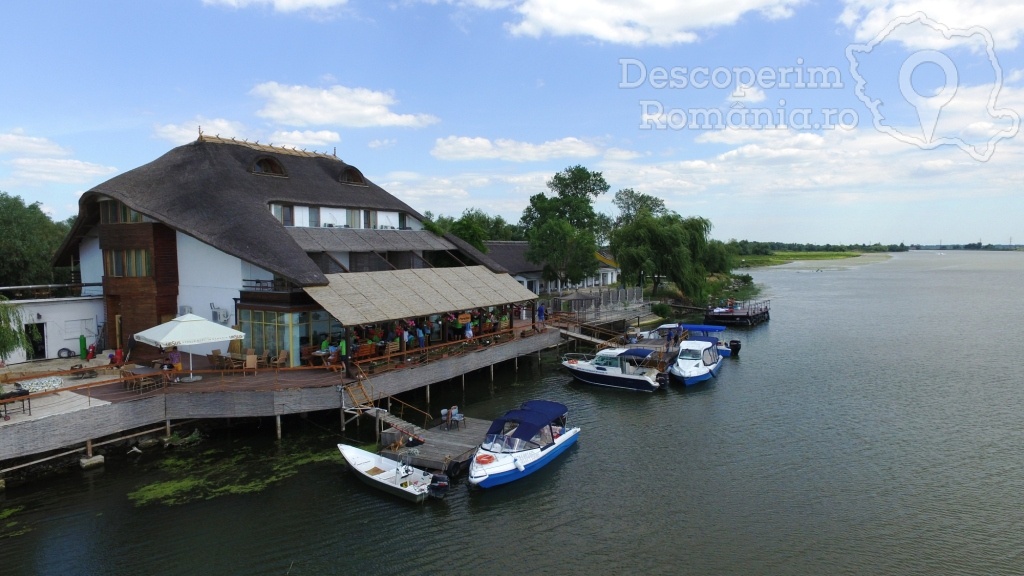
[[209, 190], [370, 297], [512, 256]]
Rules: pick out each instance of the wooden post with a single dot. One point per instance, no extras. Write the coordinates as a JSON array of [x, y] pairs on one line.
[[376, 427], [428, 395], [492, 372], [88, 448], [277, 421], [517, 363], [167, 428], [341, 412]]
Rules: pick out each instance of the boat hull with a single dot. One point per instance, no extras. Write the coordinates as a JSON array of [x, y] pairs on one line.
[[481, 477], [692, 379], [405, 482], [611, 380]]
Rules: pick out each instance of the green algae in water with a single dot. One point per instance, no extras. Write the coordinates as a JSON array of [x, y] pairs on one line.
[[12, 528], [213, 473]]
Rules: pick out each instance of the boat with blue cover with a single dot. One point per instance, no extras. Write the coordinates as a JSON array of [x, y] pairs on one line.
[[696, 362], [712, 333], [521, 442], [626, 368]]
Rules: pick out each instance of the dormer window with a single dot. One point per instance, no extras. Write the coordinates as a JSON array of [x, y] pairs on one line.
[[268, 166], [352, 176]]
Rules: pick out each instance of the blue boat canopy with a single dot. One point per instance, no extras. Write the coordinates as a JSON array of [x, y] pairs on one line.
[[703, 328], [532, 416]]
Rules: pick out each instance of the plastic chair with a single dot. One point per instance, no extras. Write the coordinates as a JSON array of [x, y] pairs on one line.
[[445, 421], [457, 417], [251, 361]]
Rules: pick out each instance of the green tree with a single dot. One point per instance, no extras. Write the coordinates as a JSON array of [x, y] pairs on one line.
[[631, 203], [566, 252], [28, 242], [566, 223], [12, 329], [574, 190], [667, 247]]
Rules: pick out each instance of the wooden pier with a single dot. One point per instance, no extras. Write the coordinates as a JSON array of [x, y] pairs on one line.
[[739, 314], [442, 449]]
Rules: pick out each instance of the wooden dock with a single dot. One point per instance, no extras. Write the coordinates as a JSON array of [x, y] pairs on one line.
[[739, 314], [441, 450]]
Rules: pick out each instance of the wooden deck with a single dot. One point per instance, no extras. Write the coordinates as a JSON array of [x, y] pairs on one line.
[[743, 314], [441, 447]]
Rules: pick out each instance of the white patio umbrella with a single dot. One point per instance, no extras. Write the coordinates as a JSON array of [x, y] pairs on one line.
[[187, 330]]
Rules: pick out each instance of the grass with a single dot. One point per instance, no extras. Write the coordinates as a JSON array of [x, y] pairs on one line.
[[787, 257]]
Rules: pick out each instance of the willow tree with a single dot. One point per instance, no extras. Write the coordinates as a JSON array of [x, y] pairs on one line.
[[667, 247], [12, 329]]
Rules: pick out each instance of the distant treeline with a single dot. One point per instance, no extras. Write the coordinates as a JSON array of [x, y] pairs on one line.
[[971, 246], [748, 248]]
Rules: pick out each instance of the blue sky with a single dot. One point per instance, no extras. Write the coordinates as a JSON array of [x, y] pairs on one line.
[[784, 120]]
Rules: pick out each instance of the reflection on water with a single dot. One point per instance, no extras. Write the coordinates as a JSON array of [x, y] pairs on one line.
[[872, 427]]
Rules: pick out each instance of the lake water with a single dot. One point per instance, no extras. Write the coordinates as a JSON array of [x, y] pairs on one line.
[[872, 427]]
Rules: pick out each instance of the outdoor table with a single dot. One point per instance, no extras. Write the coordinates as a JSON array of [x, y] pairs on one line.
[[321, 354]]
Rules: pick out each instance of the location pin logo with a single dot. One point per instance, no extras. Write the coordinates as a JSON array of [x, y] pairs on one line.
[[928, 107]]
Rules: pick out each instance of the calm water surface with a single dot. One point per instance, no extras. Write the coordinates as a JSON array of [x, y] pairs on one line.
[[872, 427]]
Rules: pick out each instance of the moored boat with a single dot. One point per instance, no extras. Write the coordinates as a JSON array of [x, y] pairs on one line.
[[712, 333], [626, 368], [394, 477], [696, 362], [521, 442]]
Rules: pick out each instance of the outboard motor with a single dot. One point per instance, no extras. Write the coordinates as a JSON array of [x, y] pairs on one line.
[[734, 347], [438, 486]]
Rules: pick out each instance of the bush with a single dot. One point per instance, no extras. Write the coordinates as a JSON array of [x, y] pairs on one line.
[[661, 309]]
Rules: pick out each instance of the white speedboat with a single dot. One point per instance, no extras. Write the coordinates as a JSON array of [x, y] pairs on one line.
[[712, 333], [628, 368], [394, 477], [521, 442], [696, 362]]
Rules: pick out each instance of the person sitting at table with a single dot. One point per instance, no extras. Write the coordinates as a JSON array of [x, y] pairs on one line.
[[174, 358], [325, 345]]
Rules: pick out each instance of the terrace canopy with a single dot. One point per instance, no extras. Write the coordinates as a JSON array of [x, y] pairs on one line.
[[369, 297]]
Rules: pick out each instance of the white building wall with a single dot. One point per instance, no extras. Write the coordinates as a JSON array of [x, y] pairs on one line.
[[336, 216], [209, 279], [301, 215], [341, 257], [387, 220], [91, 262], [62, 322]]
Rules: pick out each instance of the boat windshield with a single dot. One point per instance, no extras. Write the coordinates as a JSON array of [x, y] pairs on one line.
[[605, 361], [501, 444], [688, 354]]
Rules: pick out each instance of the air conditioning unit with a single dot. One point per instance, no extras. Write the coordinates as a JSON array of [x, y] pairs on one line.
[[182, 310], [220, 315], [328, 225]]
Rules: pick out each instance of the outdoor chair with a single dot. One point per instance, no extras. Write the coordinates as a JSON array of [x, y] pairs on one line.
[[281, 360], [251, 362], [264, 360], [457, 417]]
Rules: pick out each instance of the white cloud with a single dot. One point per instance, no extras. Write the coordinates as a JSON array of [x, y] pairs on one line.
[[467, 148], [750, 94], [281, 5], [334, 106], [186, 132], [304, 138], [639, 22], [382, 143], [1005, 20], [57, 170], [16, 142]]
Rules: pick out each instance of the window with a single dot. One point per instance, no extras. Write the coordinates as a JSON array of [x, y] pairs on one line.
[[114, 212], [352, 176], [284, 214], [369, 218], [127, 263], [402, 221], [268, 166], [314, 217]]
